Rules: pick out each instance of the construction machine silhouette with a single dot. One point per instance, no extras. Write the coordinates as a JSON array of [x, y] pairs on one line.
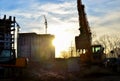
[[88, 53], [8, 43]]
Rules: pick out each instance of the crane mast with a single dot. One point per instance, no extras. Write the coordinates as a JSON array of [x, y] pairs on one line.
[[45, 24], [83, 41]]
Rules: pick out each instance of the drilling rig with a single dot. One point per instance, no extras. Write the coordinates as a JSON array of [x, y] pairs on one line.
[[88, 53]]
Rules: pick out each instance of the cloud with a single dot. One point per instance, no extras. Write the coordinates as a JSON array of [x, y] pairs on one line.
[[109, 23], [58, 8], [63, 16], [103, 15]]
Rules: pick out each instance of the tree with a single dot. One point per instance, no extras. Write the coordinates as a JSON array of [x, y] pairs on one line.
[[65, 54], [109, 42]]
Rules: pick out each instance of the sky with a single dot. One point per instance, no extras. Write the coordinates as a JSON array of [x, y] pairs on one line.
[[62, 16]]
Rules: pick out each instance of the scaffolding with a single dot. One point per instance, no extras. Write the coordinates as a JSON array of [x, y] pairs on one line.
[[7, 39]]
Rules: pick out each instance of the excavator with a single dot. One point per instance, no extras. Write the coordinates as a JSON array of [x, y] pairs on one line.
[[89, 53], [8, 49]]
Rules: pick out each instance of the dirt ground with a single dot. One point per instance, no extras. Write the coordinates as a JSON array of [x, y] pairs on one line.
[[34, 72]]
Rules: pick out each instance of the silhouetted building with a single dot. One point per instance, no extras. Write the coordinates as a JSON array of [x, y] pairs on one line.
[[36, 47]]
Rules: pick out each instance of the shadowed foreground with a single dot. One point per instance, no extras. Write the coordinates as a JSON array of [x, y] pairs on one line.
[[35, 72]]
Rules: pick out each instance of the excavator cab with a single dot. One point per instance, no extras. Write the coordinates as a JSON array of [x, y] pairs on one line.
[[94, 55], [97, 49], [97, 53]]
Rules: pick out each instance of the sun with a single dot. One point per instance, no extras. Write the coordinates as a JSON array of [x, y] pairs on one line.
[[61, 42], [54, 42]]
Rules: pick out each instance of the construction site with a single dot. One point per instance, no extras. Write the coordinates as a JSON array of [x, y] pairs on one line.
[[31, 56]]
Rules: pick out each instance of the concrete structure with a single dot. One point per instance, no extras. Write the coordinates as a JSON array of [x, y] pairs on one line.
[[36, 47]]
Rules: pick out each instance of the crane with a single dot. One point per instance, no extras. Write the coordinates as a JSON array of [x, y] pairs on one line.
[[45, 24]]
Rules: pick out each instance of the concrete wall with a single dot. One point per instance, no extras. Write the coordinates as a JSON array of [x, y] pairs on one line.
[[36, 47]]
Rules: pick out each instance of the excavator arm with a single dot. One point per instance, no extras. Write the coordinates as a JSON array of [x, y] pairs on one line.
[[83, 41]]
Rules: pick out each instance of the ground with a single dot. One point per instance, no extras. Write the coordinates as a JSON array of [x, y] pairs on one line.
[[35, 72]]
